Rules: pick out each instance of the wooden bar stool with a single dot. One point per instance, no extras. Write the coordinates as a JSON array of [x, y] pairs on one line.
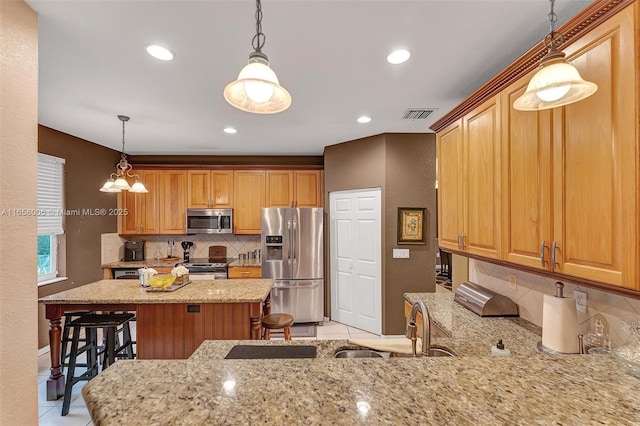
[[276, 322]]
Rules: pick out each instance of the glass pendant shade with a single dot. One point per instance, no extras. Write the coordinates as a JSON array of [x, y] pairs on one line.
[[138, 187], [108, 187], [122, 184], [557, 83], [257, 88]]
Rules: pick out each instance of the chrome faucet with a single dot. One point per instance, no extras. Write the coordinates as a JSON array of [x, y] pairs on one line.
[[426, 329]]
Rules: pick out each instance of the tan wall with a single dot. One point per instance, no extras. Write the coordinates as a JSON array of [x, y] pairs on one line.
[[403, 166], [87, 166], [18, 177], [410, 179]]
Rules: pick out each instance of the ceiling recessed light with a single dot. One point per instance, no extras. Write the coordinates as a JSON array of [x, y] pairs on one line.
[[398, 56], [363, 119], [230, 130], [160, 52]]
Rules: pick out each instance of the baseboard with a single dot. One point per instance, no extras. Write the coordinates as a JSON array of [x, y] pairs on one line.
[[43, 350]]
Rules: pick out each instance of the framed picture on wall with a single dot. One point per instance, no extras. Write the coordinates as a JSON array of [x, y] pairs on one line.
[[411, 225]]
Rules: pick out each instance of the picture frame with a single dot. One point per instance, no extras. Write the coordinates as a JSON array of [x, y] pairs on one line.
[[411, 225]]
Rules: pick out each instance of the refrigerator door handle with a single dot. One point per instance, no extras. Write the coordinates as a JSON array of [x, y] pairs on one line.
[[289, 229], [294, 240]]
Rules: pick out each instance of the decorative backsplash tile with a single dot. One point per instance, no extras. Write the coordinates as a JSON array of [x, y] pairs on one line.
[[112, 248], [235, 244], [530, 290]]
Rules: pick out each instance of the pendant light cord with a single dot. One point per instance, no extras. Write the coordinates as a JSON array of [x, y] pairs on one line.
[[123, 137], [258, 40]]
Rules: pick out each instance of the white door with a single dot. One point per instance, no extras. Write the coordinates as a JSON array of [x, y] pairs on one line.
[[355, 252]]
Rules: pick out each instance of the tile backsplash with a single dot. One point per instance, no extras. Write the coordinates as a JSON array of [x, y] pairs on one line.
[[530, 289], [112, 245]]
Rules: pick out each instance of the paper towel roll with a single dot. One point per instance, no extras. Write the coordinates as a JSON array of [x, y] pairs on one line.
[[560, 324]]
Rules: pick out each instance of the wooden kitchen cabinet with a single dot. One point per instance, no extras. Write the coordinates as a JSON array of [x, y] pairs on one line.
[[578, 223], [142, 209], [469, 182], [249, 196], [294, 188], [172, 205], [245, 272], [527, 229], [210, 189]]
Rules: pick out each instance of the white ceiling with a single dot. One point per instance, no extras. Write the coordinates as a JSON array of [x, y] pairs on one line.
[[330, 55]]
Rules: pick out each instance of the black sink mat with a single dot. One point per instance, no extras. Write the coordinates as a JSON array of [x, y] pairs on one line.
[[271, 352]]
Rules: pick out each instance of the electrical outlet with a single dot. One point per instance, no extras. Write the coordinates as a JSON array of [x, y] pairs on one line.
[[581, 301], [513, 282]]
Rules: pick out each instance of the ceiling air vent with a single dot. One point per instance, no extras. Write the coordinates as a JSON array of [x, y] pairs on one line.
[[416, 114]]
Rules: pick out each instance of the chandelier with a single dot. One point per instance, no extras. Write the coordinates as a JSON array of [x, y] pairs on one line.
[[117, 182], [557, 82], [257, 89]]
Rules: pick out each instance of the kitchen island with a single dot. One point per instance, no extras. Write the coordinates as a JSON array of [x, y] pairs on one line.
[[532, 388], [170, 325]]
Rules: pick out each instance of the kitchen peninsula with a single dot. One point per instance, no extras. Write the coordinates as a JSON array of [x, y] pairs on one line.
[[472, 389], [170, 325]]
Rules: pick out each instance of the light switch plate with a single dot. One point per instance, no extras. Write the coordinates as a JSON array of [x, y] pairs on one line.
[[400, 253], [581, 301]]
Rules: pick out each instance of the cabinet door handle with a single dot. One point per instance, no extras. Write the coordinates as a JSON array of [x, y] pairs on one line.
[[459, 245], [554, 247], [542, 247], [464, 241], [245, 272]]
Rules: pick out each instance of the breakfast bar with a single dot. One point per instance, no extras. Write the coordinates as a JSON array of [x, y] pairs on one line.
[[170, 325], [472, 388]]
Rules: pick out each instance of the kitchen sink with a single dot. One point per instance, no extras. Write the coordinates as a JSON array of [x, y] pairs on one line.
[[360, 353], [436, 351]]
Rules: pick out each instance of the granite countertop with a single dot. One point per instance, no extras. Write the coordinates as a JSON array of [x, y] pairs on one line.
[[471, 335], [129, 291], [525, 388], [578, 390], [151, 263]]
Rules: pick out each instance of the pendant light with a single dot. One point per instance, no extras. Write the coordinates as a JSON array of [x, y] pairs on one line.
[[117, 182], [557, 82], [257, 89]]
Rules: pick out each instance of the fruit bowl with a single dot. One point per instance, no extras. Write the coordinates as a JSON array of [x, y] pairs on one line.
[[161, 280]]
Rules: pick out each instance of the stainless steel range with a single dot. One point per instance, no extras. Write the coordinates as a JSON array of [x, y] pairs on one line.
[[208, 269]]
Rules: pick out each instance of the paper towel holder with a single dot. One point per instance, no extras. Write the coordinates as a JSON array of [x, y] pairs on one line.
[[542, 348]]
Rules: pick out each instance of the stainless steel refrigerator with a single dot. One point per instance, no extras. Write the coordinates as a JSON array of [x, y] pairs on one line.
[[293, 254]]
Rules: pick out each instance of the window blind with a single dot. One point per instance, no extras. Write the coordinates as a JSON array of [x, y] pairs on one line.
[[50, 195]]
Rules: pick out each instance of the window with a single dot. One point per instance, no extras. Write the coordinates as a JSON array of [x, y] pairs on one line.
[[50, 214]]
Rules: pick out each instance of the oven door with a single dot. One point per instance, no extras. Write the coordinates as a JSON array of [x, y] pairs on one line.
[[204, 276]]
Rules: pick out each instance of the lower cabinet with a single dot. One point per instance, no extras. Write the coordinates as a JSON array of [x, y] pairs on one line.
[[245, 272], [174, 331]]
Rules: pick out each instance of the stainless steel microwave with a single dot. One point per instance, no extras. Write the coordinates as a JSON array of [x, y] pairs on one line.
[[209, 221]]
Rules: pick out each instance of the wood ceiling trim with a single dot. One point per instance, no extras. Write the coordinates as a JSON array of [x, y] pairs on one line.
[[589, 18]]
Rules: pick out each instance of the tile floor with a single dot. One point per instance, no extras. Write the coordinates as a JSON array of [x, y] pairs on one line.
[[49, 411]]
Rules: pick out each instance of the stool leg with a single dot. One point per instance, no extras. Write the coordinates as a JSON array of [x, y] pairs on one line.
[[111, 344], [92, 353], [71, 371], [287, 333], [267, 334]]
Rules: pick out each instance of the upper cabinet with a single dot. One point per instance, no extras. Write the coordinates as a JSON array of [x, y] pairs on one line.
[[173, 201], [568, 177], [210, 189], [142, 209], [469, 182], [595, 160], [162, 211], [249, 195], [294, 188]]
